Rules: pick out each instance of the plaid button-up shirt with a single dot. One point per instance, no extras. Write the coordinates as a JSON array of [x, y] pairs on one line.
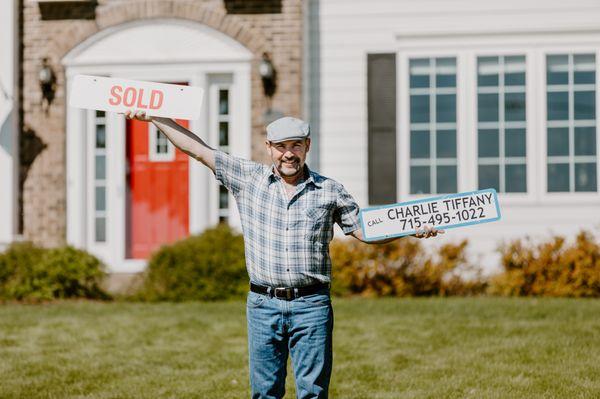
[[286, 239]]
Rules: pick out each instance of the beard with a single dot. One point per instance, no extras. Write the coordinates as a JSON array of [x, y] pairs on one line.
[[289, 170]]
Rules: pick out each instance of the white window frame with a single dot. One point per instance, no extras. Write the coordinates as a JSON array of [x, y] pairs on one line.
[[432, 126], [571, 158], [153, 155], [92, 151], [216, 84], [466, 48], [501, 160], [403, 119]]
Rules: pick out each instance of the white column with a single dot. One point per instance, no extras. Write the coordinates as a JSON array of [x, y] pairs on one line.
[[8, 125], [76, 174], [200, 175]]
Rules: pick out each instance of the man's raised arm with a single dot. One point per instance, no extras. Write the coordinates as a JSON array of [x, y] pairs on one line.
[[181, 137]]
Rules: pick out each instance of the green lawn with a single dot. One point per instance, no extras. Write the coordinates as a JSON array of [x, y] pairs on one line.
[[391, 348]]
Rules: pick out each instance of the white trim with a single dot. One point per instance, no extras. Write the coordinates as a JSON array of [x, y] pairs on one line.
[[153, 154], [79, 208]]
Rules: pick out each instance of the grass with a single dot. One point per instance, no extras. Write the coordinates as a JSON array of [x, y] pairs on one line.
[[385, 348]]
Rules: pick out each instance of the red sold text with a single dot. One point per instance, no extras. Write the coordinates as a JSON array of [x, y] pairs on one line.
[[135, 98]]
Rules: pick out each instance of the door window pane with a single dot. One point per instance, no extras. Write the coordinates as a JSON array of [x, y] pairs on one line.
[[100, 199], [224, 102], [100, 136], [100, 229], [162, 142], [223, 133], [223, 197], [100, 167]]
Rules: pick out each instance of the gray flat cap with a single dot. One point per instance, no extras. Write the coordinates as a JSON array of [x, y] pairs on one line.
[[287, 128]]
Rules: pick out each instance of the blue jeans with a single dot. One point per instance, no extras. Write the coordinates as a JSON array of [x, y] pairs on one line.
[[302, 327]]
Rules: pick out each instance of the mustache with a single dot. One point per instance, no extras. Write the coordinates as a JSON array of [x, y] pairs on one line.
[[294, 159]]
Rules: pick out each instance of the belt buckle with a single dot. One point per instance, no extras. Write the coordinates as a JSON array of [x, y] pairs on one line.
[[287, 292]]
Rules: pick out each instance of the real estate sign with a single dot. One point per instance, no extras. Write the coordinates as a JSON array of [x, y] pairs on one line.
[[444, 212], [120, 95]]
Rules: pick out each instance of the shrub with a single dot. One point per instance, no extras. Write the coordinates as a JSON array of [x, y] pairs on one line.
[[400, 268], [28, 272], [550, 268], [209, 266]]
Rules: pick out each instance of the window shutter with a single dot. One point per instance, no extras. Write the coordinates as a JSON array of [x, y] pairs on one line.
[[381, 109]]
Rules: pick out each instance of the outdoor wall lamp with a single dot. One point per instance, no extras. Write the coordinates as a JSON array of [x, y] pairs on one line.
[[268, 75], [47, 81]]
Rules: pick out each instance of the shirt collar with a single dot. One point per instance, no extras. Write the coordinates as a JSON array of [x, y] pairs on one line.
[[313, 178]]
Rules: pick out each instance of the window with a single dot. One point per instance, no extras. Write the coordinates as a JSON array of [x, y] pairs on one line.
[[99, 174], [501, 123], [571, 122], [160, 149], [223, 137], [432, 104]]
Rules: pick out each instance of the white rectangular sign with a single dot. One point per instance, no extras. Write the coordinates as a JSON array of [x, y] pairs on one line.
[[444, 212], [120, 95]]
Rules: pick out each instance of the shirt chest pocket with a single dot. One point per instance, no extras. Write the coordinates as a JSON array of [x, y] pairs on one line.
[[316, 213], [316, 220]]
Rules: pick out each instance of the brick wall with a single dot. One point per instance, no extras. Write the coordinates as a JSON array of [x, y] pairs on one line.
[[52, 29]]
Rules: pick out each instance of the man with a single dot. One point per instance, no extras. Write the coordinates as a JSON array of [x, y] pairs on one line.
[[287, 213]]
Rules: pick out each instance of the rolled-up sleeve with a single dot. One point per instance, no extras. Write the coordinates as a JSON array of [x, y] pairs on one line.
[[234, 172], [346, 213]]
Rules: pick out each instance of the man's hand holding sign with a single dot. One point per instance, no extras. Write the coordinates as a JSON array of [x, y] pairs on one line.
[[287, 213]]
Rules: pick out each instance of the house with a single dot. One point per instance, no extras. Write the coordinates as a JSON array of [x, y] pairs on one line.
[[406, 99], [418, 98]]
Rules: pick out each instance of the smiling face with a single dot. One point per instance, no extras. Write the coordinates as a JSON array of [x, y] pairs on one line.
[[289, 156]]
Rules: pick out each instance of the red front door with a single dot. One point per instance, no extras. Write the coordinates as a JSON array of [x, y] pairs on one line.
[[157, 197]]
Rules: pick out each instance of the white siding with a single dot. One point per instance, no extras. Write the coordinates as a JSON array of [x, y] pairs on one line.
[[341, 33]]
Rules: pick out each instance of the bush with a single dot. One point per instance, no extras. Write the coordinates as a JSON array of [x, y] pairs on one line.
[[209, 266], [550, 268], [400, 268], [28, 272]]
